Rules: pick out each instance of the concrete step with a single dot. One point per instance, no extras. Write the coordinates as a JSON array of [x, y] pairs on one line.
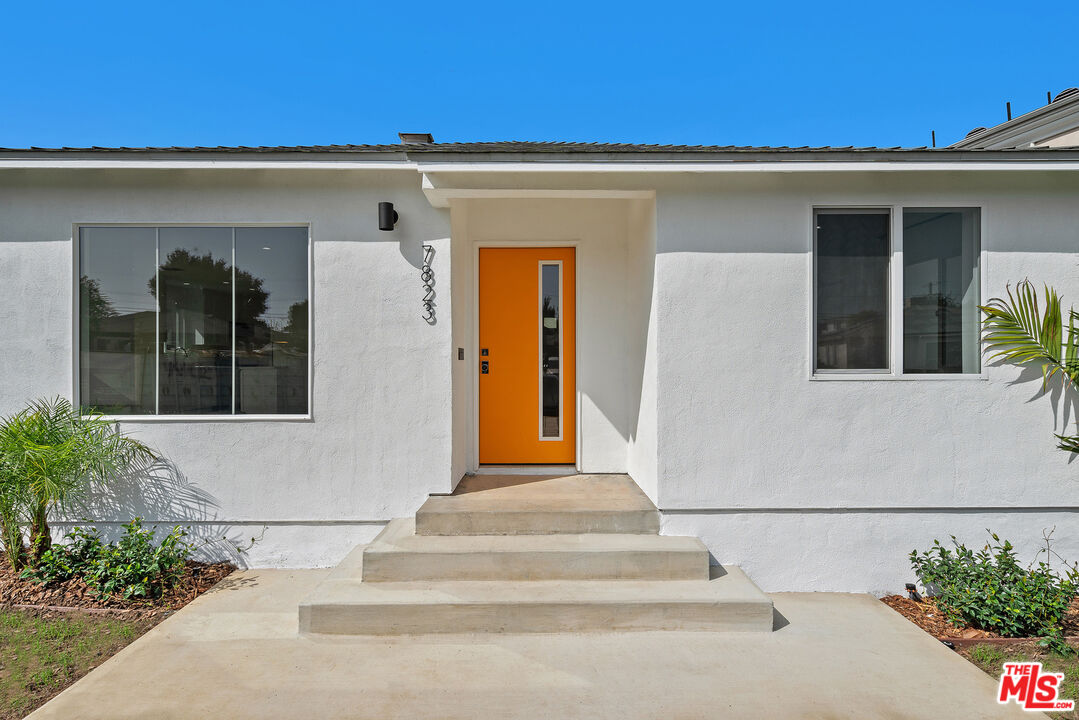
[[728, 601], [399, 555], [540, 505]]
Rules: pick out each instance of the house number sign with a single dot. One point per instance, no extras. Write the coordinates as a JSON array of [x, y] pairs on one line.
[[427, 275]]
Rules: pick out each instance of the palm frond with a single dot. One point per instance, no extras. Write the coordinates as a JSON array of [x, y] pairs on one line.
[[56, 451], [1068, 442], [1071, 348], [1017, 330]]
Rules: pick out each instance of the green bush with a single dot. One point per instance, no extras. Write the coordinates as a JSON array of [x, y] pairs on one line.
[[134, 567], [990, 590]]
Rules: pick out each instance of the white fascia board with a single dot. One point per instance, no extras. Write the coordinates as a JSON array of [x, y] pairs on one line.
[[553, 167], [31, 164], [751, 167]]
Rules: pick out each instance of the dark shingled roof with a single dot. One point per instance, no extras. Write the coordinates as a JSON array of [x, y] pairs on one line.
[[479, 147], [560, 151], [470, 147]]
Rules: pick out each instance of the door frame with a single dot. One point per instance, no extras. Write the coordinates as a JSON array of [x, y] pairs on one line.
[[474, 332]]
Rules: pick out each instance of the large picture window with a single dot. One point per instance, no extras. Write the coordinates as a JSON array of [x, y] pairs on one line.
[[193, 320], [934, 266]]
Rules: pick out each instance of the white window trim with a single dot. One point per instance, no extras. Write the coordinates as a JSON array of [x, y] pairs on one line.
[[231, 418], [895, 295]]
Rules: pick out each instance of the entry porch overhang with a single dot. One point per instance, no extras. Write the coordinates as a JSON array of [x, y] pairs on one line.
[[441, 190]]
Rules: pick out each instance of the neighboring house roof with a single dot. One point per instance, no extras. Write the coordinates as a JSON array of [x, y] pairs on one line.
[[1055, 125]]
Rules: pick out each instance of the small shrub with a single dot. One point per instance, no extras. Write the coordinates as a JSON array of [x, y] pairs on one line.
[[990, 590], [134, 567]]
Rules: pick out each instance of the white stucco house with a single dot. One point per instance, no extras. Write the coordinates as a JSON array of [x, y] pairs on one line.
[[779, 345]]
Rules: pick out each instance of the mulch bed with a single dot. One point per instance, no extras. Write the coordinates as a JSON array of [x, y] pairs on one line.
[[929, 617], [74, 593]]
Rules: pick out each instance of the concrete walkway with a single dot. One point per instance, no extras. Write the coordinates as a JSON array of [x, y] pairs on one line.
[[235, 653]]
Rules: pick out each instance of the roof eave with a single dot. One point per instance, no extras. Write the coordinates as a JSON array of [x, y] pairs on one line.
[[410, 158]]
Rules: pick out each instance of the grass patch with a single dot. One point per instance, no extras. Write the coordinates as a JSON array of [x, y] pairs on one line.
[[991, 659], [41, 654]]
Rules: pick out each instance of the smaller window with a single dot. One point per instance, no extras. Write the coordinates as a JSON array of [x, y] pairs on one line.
[[940, 291], [852, 253]]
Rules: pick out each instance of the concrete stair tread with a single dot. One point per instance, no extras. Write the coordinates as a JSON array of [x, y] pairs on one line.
[[729, 601], [549, 492], [400, 536], [726, 583], [398, 554], [524, 505]]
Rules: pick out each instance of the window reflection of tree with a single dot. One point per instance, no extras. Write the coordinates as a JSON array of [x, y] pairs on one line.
[[270, 352], [200, 311], [117, 348], [196, 330], [550, 369]]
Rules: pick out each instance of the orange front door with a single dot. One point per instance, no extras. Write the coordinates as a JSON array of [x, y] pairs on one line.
[[526, 354]]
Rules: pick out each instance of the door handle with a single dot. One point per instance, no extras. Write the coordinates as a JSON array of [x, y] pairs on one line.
[[484, 367]]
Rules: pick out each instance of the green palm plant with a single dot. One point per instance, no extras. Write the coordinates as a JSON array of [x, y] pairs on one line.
[[1017, 330], [49, 454], [14, 498]]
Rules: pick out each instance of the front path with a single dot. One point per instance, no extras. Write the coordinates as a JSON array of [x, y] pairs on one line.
[[234, 653]]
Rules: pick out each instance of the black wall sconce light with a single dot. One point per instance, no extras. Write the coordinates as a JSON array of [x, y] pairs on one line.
[[387, 216]]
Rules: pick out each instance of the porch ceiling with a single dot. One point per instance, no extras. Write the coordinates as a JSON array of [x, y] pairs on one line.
[[441, 191]]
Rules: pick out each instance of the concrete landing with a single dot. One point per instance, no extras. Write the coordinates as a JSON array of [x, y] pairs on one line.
[[531, 505], [346, 605], [235, 653], [398, 554]]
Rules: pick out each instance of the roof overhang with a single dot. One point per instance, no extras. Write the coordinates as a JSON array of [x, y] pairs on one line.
[[1040, 165], [55, 163], [462, 176], [441, 196], [445, 182]]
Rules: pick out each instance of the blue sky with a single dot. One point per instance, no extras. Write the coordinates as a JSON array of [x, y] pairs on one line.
[[751, 73]]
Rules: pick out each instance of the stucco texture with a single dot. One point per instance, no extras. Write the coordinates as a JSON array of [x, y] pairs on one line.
[[379, 438], [694, 362]]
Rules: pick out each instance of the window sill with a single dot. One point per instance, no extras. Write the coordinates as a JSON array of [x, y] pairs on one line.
[[206, 418], [913, 377]]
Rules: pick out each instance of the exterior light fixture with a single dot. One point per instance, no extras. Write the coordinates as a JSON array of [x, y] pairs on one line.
[[387, 216]]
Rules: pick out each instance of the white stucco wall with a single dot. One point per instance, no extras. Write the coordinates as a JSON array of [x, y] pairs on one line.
[[379, 440], [642, 380], [694, 363], [827, 484]]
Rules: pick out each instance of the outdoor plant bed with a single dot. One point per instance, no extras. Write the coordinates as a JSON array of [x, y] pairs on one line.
[[55, 633], [196, 579], [926, 615]]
